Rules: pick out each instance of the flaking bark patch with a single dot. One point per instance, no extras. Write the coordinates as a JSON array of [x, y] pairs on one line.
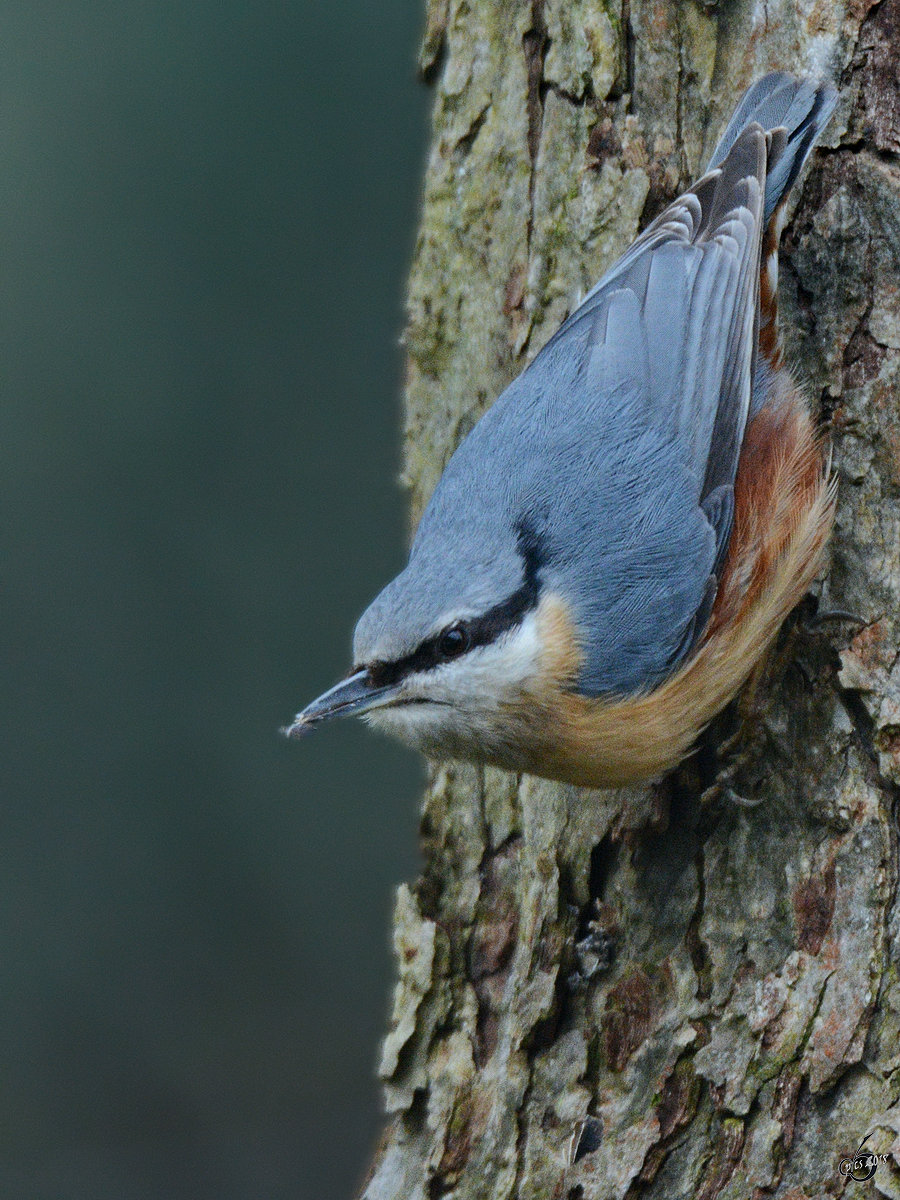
[[628, 1017], [813, 909]]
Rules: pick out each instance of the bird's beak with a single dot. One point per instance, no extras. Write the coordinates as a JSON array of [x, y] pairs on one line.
[[355, 694]]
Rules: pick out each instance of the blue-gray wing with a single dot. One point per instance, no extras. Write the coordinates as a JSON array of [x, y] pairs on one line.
[[658, 363]]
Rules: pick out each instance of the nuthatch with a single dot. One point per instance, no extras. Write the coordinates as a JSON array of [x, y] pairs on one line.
[[613, 548]]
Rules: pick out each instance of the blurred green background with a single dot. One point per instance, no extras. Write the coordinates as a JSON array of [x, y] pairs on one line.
[[206, 216]]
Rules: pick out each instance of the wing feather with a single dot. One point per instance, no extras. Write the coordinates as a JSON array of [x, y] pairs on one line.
[[667, 341], [680, 309]]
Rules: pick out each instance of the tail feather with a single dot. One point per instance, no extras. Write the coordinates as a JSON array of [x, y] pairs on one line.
[[793, 112], [799, 106]]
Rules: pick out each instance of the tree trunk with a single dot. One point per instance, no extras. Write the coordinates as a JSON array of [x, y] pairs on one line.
[[646, 993]]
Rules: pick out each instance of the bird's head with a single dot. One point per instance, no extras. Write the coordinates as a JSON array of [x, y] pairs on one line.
[[454, 659]]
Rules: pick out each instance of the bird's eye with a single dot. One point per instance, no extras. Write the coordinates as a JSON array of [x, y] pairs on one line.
[[453, 642]]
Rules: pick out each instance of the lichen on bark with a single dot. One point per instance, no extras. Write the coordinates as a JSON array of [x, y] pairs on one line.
[[641, 993]]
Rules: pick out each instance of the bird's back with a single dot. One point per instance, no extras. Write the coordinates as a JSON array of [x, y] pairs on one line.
[[618, 448]]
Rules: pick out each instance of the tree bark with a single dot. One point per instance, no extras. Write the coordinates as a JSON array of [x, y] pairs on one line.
[[646, 993]]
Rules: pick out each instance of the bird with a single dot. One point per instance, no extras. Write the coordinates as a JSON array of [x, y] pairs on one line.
[[612, 550]]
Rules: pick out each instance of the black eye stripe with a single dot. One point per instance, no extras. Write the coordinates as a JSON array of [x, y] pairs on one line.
[[479, 631]]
